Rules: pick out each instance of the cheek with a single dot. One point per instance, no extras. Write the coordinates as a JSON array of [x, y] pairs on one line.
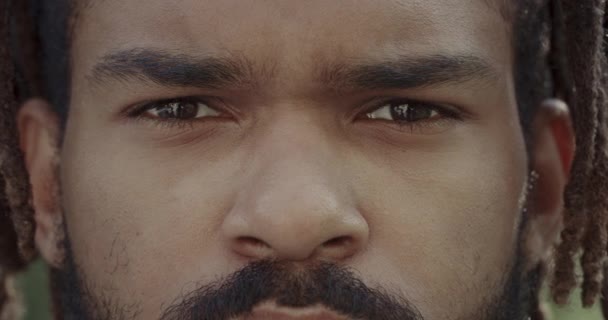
[[448, 219], [126, 206]]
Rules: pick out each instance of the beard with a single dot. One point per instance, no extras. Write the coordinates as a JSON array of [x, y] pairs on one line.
[[291, 285], [332, 286]]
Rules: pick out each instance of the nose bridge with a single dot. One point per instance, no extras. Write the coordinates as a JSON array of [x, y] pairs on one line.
[[295, 205], [297, 154], [297, 159], [300, 135]]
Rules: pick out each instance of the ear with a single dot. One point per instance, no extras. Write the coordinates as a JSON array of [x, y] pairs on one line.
[[552, 154], [39, 136]]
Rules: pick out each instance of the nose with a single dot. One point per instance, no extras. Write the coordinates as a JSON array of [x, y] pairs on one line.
[[295, 206]]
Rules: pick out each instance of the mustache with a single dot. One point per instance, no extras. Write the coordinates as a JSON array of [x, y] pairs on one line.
[[332, 286]]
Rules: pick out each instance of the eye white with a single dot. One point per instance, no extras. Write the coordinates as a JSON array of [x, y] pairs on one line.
[[205, 111], [381, 113]]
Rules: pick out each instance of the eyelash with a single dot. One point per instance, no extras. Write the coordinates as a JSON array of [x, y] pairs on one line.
[[446, 113], [137, 113]]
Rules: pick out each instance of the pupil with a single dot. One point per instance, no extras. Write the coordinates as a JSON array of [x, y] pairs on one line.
[[177, 110], [186, 110], [410, 113]]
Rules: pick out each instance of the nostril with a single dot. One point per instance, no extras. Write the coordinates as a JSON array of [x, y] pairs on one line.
[[252, 247], [252, 242], [337, 242]]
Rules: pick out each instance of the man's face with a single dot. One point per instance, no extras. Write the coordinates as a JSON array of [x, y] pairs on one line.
[[378, 136]]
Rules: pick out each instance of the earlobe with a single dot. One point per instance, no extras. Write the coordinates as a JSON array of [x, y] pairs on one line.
[[38, 137], [552, 156]]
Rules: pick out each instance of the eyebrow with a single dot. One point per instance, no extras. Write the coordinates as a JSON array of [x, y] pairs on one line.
[[409, 72], [181, 70], [173, 70]]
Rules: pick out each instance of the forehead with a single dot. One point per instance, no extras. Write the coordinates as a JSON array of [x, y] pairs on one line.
[[503, 7], [295, 32]]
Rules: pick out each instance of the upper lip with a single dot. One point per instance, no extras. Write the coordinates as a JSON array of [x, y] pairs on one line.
[[273, 312]]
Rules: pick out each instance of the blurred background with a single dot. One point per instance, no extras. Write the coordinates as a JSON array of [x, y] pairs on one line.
[[35, 281]]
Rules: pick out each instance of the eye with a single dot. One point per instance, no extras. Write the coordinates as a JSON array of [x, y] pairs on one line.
[[182, 109], [405, 112]]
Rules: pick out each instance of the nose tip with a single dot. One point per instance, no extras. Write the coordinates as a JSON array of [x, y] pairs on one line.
[[295, 202], [334, 233]]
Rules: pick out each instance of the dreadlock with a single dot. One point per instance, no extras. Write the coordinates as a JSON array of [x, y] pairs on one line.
[[561, 49], [16, 215], [586, 205]]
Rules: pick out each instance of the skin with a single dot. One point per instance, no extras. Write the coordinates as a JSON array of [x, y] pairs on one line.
[[292, 169]]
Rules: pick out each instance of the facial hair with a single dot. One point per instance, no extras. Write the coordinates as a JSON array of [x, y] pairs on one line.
[[335, 287], [287, 284]]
